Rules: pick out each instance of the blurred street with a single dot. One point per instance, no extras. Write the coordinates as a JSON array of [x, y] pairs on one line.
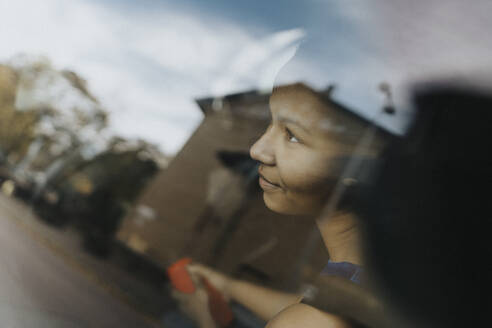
[[40, 287]]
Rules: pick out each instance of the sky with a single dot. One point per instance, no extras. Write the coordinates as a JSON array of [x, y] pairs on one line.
[[148, 60]]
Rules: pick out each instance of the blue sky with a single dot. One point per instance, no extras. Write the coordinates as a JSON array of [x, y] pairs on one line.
[[257, 15], [148, 59]]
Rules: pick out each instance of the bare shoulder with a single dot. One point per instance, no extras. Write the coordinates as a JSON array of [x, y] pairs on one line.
[[302, 315]]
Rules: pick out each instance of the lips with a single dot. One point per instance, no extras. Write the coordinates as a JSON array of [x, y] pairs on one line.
[[266, 184]]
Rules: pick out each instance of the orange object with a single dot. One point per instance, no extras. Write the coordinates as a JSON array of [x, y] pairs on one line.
[[181, 280], [218, 306], [180, 277]]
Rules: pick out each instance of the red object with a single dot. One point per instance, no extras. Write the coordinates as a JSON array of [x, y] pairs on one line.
[[181, 280], [180, 277], [218, 306]]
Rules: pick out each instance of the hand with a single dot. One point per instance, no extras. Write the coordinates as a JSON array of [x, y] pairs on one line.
[[219, 280], [195, 306]]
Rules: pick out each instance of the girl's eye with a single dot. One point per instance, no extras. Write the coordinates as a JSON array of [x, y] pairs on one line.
[[291, 137]]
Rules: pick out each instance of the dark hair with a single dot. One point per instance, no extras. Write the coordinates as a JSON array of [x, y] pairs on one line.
[[428, 211]]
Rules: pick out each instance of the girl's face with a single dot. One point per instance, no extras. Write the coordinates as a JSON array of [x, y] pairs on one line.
[[300, 160]]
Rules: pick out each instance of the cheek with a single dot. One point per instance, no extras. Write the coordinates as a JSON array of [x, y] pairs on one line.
[[309, 173]]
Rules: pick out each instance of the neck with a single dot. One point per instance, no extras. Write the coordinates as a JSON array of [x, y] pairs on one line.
[[341, 236]]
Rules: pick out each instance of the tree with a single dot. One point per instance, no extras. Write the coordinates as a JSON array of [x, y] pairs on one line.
[[17, 129], [66, 122], [112, 181]]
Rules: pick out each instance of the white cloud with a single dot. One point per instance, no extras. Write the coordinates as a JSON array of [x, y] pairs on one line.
[[146, 70], [401, 42], [258, 63]]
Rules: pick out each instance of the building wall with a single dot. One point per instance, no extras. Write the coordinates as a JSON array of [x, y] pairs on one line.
[[269, 243], [177, 197]]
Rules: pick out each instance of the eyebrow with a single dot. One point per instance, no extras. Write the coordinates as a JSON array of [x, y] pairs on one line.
[[284, 119]]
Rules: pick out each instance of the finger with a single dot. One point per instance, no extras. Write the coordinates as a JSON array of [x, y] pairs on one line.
[[202, 294], [178, 296], [196, 274], [198, 269]]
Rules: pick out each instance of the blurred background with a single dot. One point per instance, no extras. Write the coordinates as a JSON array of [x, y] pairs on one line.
[[125, 129]]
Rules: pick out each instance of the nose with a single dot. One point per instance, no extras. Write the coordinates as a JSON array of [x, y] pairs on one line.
[[263, 150]]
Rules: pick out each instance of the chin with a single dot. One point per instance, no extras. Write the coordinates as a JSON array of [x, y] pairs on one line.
[[288, 207], [281, 207]]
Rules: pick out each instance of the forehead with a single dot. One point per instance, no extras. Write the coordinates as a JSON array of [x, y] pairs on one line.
[[303, 106], [297, 99]]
